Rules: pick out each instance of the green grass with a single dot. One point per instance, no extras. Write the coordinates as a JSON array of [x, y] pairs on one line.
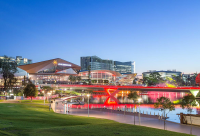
[[34, 101], [36, 120]]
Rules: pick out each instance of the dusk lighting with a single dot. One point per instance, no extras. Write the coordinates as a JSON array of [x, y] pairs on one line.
[[108, 67]]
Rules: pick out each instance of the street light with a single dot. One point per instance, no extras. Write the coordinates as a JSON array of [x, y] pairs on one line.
[[139, 100], [88, 95]]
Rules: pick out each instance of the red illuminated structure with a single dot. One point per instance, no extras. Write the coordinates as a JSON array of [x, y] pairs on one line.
[[111, 91], [111, 100], [198, 79]]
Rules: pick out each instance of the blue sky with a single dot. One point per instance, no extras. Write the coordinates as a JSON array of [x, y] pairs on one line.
[[156, 34]]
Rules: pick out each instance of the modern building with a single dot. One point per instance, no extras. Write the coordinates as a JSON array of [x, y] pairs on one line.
[[164, 74], [22, 61], [54, 71], [97, 63], [124, 67], [19, 60], [100, 76]]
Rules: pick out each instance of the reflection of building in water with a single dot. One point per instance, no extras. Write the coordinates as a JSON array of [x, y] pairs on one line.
[[151, 96], [147, 96]]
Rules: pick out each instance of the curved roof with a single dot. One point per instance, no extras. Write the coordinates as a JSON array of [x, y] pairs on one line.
[[99, 71], [58, 63]]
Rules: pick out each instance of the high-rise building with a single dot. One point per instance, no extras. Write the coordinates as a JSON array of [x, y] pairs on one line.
[[97, 63], [22, 61], [124, 67], [19, 60]]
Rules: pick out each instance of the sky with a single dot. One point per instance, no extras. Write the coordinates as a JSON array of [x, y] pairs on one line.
[[156, 34]]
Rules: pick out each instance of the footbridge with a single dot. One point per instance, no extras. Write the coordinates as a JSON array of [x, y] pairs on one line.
[[118, 88]]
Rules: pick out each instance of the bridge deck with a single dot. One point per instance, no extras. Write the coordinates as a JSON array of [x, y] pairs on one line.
[[139, 88]]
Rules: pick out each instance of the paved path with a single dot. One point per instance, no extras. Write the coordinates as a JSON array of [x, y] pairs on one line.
[[10, 101], [129, 119]]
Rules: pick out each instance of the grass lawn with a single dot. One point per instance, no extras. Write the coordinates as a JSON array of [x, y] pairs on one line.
[[36, 120], [35, 101]]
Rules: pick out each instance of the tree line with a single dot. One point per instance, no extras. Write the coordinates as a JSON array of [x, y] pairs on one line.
[[155, 79]]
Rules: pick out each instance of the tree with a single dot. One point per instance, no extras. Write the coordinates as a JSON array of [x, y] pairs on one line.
[[70, 78], [134, 96], [188, 102], [164, 104], [178, 80], [30, 90], [146, 80], [193, 79], [18, 92], [153, 79], [78, 78], [46, 90], [134, 81], [188, 82], [73, 79], [8, 68]]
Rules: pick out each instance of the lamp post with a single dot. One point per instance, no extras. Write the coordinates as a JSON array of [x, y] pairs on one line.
[[88, 95], [139, 100]]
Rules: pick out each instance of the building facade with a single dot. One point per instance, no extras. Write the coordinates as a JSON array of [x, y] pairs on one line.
[[19, 60], [124, 67], [55, 71], [100, 76], [97, 63]]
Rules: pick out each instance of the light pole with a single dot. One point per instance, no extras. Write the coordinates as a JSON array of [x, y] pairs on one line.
[[88, 95], [139, 100]]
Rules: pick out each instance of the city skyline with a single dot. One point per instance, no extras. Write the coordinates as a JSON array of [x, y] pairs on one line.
[[157, 35]]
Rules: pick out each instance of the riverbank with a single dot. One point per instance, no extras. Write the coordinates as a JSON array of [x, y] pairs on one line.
[[36, 120]]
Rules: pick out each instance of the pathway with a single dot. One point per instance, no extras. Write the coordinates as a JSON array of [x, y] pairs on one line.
[[147, 121]]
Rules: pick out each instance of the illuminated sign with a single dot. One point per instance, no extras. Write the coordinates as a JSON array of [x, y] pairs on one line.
[[62, 64], [55, 62]]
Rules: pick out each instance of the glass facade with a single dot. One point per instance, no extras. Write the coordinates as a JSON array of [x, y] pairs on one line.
[[99, 76], [124, 67], [19, 60], [22, 61], [97, 63], [49, 79]]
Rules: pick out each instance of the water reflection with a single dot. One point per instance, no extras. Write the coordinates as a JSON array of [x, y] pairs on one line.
[[172, 114], [148, 99]]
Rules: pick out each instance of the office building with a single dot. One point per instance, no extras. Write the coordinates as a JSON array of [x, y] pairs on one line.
[[124, 67], [97, 63], [19, 60]]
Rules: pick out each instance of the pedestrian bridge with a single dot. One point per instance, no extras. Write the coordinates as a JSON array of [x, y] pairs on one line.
[[137, 88]]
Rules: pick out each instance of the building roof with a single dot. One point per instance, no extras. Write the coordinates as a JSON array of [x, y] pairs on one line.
[[59, 64]]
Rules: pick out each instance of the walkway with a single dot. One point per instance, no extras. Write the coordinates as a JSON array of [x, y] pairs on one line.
[[129, 119]]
